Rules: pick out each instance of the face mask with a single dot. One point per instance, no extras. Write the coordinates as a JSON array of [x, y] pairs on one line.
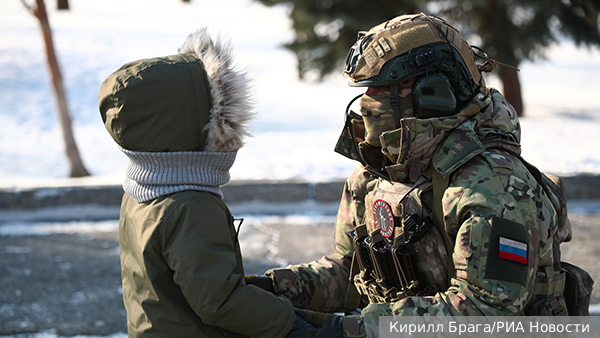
[[378, 114]]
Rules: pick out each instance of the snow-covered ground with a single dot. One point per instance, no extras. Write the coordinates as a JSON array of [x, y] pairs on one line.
[[249, 241], [298, 122]]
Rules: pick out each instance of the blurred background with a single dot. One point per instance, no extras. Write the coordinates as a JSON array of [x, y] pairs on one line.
[[293, 51], [59, 263]]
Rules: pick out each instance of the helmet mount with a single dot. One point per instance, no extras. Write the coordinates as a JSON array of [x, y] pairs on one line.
[[420, 46]]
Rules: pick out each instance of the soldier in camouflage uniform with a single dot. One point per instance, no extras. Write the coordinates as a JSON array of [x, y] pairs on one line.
[[442, 216]]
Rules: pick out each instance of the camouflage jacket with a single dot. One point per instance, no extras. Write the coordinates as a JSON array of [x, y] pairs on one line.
[[490, 194]]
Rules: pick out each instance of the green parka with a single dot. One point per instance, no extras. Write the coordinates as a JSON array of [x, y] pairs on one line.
[[183, 275], [181, 119]]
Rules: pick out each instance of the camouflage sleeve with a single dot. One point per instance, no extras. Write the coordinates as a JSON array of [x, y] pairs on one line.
[[485, 210], [321, 285]]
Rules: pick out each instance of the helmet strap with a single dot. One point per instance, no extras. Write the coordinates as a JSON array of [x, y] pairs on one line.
[[395, 103]]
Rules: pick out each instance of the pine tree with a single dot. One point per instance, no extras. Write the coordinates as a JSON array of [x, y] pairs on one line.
[[325, 29], [511, 31]]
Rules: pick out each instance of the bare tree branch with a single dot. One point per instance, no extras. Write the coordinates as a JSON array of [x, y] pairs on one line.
[[30, 8]]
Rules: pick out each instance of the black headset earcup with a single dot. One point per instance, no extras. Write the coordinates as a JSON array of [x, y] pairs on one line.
[[433, 96]]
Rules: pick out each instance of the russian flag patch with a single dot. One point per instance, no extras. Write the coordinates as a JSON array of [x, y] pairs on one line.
[[513, 251]]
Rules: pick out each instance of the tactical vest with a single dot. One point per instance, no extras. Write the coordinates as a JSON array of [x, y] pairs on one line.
[[399, 251], [402, 250]]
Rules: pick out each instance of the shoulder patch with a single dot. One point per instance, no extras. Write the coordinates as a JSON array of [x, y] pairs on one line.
[[512, 250], [508, 252]]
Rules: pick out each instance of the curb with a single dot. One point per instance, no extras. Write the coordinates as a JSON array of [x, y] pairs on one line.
[[110, 195], [580, 187]]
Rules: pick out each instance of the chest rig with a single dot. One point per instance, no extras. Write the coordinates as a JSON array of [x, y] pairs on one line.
[[399, 250]]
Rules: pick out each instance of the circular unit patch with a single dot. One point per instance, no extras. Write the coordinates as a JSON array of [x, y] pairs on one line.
[[384, 219]]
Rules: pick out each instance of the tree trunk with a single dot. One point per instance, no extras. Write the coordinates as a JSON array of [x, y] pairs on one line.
[[63, 4], [77, 167], [496, 29], [512, 88]]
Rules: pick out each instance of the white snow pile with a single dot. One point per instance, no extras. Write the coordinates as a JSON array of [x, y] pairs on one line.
[[298, 123]]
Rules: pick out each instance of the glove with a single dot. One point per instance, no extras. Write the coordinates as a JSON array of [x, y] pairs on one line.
[[300, 323], [262, 282], [328, 325], [320, 325]]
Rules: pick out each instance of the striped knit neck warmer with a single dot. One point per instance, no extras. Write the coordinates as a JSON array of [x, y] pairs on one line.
[[153, 174]]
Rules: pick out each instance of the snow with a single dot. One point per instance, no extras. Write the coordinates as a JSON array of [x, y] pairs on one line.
[[298, 122], [48, 228]]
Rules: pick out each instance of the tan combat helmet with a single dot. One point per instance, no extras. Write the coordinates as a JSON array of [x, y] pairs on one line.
[[419, 46]]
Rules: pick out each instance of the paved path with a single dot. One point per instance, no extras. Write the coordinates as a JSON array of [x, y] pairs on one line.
[[69, 283]]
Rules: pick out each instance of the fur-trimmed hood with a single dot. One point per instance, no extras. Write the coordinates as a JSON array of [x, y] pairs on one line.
[[231, 103], [192, 101]]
